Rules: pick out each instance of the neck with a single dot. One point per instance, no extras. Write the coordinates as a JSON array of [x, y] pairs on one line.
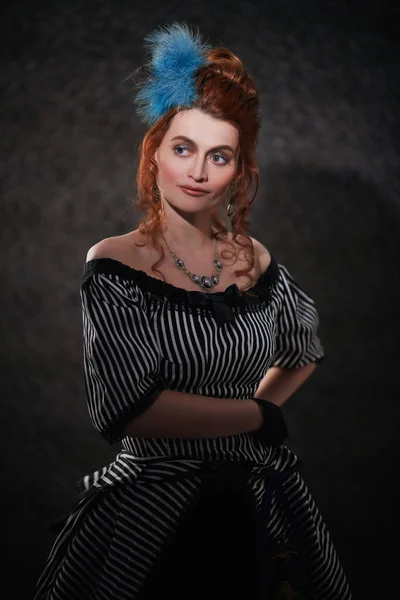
[[191, 234]]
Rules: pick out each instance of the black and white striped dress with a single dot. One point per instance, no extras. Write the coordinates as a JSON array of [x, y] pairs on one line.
[[141, 336]]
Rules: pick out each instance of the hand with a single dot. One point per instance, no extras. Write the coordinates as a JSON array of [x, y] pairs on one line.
[[273, 430]]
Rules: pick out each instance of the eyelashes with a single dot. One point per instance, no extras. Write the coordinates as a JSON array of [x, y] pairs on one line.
[[183, 151]]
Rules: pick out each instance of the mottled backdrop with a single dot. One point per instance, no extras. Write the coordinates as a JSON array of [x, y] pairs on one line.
[[328, 208]]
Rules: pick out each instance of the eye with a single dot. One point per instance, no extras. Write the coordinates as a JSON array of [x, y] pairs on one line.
[[219, 159], [180, 150]]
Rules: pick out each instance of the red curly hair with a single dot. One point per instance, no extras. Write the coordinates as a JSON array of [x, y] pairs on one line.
[[225, 91]]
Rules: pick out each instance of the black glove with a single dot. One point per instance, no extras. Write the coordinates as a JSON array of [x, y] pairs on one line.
[[273, 430]]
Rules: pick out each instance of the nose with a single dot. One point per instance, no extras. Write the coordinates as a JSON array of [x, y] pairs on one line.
[[198, 169]]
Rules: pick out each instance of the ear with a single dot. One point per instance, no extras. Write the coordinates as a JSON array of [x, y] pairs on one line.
[[236, 179], [155, 159], [239, 171]]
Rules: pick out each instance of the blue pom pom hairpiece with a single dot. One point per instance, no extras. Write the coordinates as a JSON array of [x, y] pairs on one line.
[[176, 53]]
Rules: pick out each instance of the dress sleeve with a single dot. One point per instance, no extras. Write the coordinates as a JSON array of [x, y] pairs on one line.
[[297, 339], [121, 360]]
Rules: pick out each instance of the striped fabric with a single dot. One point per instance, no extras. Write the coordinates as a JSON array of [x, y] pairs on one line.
[[141, 336]]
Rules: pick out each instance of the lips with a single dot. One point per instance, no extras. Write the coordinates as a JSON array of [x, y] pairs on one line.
[[193, 191], [191, 188]]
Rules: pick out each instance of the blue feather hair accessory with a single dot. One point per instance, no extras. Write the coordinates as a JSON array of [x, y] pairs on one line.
[[176, 53]]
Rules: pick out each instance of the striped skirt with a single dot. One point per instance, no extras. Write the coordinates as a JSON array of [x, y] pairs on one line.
[[217, 530]]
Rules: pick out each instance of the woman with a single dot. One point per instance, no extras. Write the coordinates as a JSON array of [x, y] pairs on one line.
[[193, 338]]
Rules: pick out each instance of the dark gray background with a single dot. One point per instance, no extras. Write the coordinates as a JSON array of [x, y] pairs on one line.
[[328, 208]]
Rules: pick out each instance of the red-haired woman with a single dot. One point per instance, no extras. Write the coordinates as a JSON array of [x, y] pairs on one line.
[[194, 336]]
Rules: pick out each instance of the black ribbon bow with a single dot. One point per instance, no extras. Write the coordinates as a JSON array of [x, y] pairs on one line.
[[221, 303]]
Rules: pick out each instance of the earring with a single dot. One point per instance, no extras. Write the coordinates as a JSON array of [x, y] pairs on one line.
[[156, 191], [229, 210]]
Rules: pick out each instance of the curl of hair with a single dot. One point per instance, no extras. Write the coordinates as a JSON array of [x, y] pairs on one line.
[[224, 91]]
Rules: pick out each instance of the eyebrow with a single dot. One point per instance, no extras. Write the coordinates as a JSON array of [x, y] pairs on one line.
[[189, 141]]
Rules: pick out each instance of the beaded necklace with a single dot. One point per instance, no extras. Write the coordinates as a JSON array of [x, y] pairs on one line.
[[204, 281]]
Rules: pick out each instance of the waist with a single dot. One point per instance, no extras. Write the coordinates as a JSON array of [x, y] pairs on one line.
[[236, 448]]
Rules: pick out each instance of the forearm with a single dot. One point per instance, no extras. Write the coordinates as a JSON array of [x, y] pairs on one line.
[[181, 415], [280, 383]]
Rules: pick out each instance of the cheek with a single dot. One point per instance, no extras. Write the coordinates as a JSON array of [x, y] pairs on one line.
[[169, 172], [223, 179]]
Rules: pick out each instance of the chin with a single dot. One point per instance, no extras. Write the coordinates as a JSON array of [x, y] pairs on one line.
[[191, 210], [190, 205]]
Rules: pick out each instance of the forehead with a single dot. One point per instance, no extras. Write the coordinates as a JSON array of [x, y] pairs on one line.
[[202, 129]]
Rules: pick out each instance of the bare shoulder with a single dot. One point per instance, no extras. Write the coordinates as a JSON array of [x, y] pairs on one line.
[[119, 248], [262, 254]]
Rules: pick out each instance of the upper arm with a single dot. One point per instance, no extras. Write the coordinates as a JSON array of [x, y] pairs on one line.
[[120, 352], [297, 326]]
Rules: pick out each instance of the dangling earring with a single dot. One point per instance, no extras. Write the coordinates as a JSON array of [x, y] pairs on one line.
[[229, 208], [157, 200]]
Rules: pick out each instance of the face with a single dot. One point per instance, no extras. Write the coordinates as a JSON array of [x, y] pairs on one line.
[[197, 161]]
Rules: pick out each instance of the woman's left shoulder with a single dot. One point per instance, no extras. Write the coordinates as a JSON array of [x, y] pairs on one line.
[[263, 256]]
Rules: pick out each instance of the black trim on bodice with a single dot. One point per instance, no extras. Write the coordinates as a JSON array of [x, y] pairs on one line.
[[221, 303]]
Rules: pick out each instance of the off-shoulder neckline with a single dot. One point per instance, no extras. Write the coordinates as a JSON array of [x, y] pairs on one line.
[[144, 280]]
